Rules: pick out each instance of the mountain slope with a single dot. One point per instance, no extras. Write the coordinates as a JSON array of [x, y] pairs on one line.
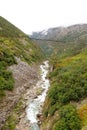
[[61, 32], [14, 43], [61, 38], [17, 55], [65, 107], [66, 103], [9, 30]]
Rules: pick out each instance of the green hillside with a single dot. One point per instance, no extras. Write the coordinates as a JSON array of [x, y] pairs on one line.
[[9, 30], [63, 108], [14, 43], [68, 87]]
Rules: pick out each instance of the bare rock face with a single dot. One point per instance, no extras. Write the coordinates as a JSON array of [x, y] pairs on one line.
[[25, 76]]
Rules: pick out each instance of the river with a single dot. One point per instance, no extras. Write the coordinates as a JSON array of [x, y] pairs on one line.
[[36, 104]]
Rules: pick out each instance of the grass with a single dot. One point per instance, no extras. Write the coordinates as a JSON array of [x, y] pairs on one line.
[[13, 119], [83, 114]]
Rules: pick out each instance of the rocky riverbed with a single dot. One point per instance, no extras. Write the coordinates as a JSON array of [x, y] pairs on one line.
[[29, 95], [34, 96]]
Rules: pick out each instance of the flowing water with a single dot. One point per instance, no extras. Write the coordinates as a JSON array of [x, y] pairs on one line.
[[35, 105]]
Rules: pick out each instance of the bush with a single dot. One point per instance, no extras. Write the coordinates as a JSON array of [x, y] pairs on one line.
[[69, 81], [69, 119], [68, 84]]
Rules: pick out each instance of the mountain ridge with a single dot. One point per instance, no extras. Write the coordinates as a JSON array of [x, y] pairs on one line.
[[58, 32], [58, 38]]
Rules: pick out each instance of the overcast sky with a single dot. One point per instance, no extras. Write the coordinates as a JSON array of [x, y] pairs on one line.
[[36, 15]]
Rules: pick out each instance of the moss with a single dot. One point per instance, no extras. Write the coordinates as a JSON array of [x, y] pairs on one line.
[[11, 123], [39, 91]]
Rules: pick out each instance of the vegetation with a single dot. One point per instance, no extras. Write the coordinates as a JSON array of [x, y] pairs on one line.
[[6, 78], [9, 30], [68, 85], [13, 119], [69, 119], [62, 39], [14, 43], [70, 82], [82, 111], [68, 77]]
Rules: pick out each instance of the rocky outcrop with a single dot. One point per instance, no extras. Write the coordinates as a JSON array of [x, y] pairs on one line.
[[25, 77]]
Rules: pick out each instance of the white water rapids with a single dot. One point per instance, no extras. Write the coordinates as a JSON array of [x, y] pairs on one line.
[[35, 106]]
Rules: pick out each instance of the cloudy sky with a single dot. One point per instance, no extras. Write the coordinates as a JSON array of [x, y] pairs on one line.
[[36, 15]]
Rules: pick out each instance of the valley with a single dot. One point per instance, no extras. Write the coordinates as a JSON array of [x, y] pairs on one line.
[[24, 76], [65, 104]]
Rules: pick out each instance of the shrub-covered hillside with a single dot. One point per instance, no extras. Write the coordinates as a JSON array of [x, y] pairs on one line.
[[9, 30], [14, 43], [68, 87], [65, 107]]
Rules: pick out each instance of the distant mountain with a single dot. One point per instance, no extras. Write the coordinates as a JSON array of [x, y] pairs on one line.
[[61, 38], [60, 33]]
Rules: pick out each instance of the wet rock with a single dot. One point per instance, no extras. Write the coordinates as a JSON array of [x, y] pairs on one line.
[[35, 97], [39, 115], [39, 123]]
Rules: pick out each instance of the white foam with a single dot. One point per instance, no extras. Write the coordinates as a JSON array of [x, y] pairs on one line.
[[34, 106]]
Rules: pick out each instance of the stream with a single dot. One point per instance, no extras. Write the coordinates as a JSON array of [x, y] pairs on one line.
[[36, 104]]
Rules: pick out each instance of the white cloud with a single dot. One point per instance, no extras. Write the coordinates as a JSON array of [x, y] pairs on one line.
[[35, 15]]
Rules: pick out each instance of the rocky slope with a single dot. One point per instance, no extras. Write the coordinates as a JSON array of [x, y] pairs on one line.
[[18, 54]]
